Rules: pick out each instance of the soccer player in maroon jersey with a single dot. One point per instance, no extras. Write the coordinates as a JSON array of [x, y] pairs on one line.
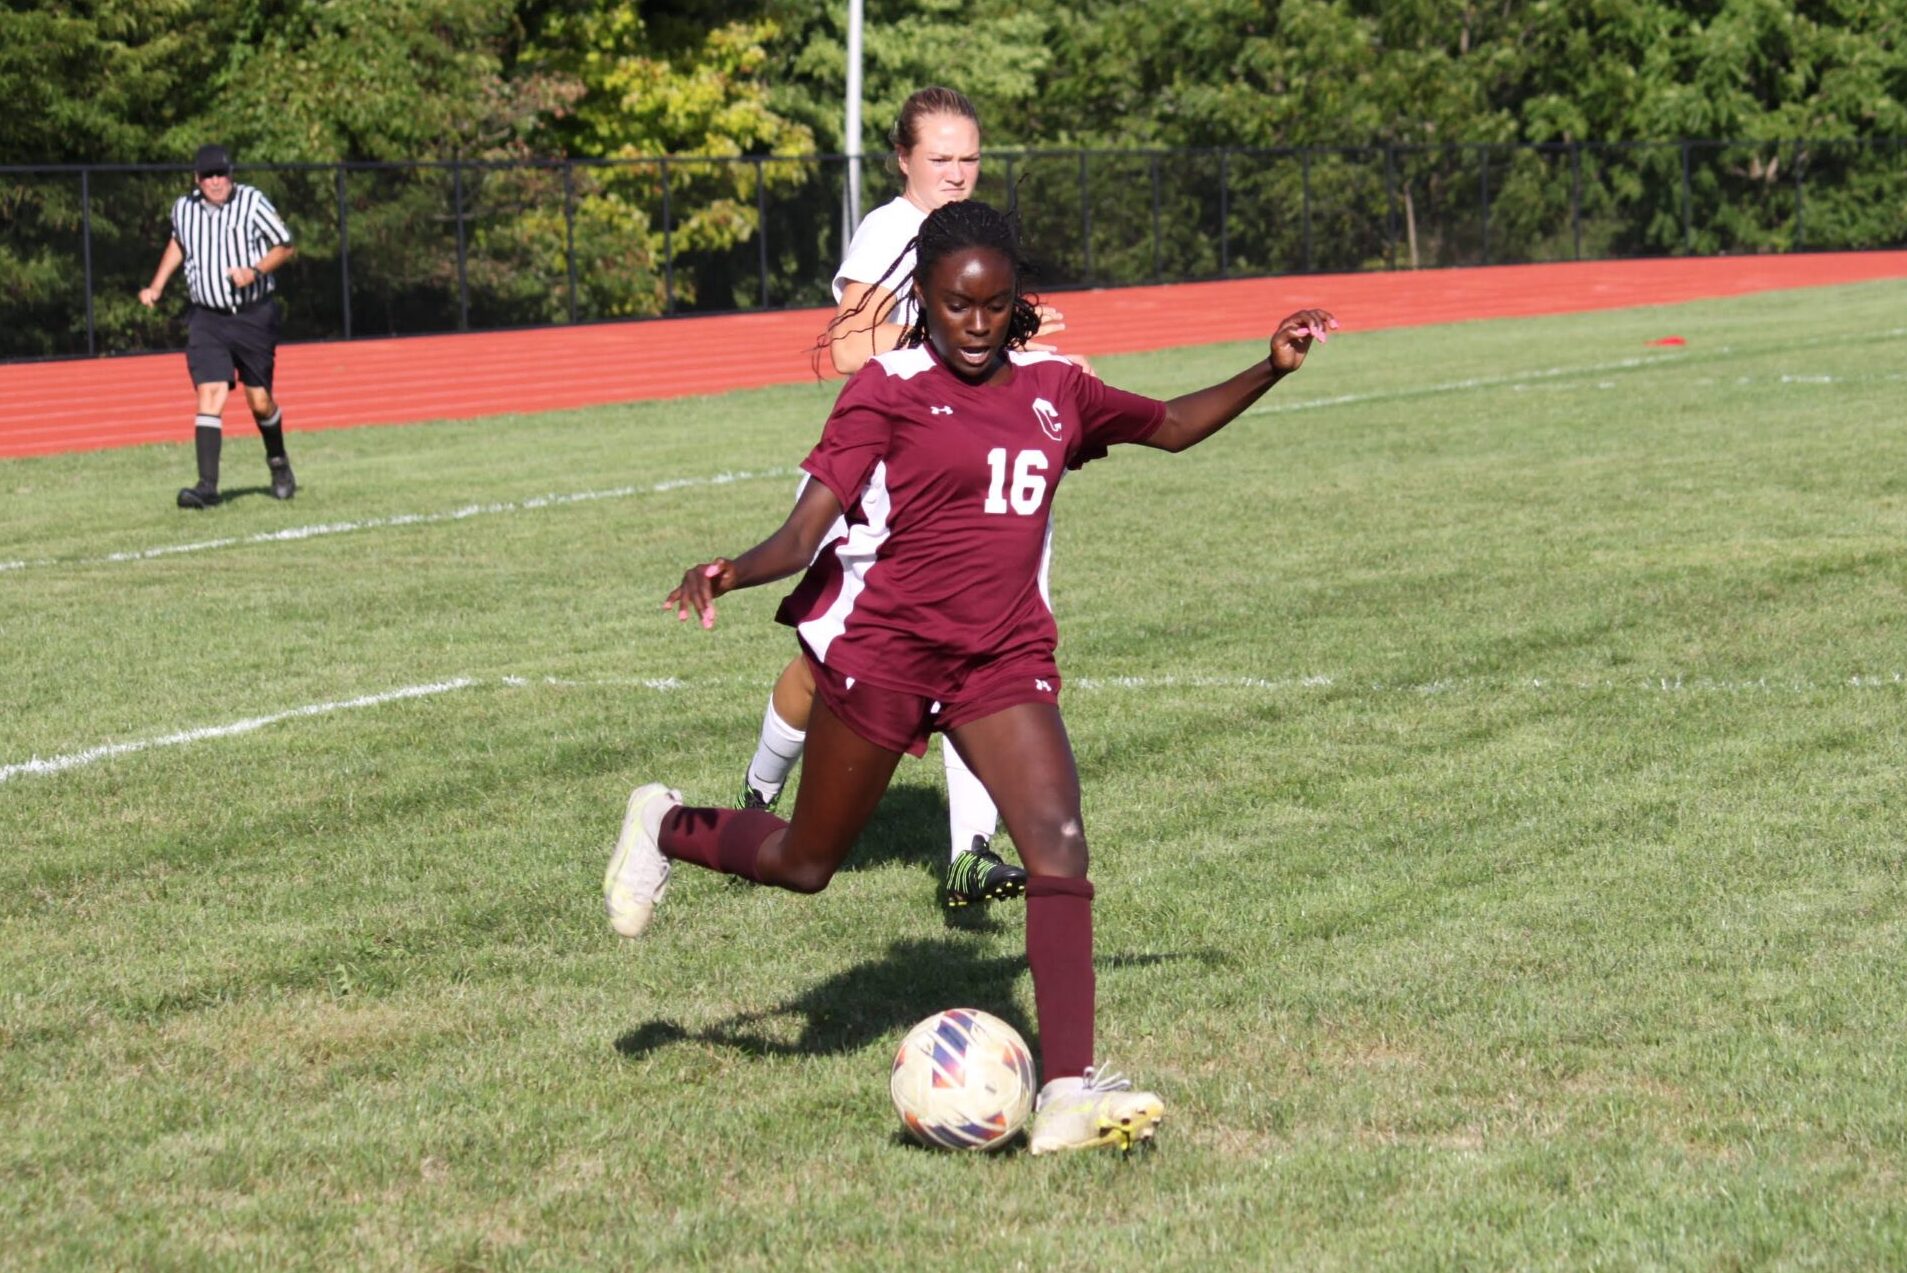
[[931, 614], [936, 148]]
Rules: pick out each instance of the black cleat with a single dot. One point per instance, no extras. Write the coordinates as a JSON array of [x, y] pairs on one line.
[[204, 495], [979, 875], [753, 799], [283, 484]]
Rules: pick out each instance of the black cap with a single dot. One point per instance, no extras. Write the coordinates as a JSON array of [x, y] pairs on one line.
[[211, 159]]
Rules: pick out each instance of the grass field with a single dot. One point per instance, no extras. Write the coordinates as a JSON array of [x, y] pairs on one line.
[[1493, 752]]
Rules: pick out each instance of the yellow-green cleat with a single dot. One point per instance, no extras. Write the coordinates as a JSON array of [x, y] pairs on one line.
[[979, 874], [1094, 1112]]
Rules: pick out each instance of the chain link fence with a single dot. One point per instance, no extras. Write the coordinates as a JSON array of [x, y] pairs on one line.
[[396, 249]]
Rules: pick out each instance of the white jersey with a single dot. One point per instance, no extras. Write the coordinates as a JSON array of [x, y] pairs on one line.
[[883, 235]]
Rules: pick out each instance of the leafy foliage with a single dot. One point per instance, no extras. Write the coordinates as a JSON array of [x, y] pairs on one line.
[[739, 94], [106, 81], [320, 81], [672, 89]]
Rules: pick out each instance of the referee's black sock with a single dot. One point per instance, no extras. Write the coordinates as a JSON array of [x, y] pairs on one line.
[[272, 429], [208, 436]]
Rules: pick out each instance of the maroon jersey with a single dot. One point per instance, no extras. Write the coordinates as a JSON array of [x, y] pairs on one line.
[[948, 490]]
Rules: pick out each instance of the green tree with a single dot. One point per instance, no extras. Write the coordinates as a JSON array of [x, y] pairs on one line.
[[319, 81], [737, 94], [698, 95], [111, 81], [994, 51], [106, 81]]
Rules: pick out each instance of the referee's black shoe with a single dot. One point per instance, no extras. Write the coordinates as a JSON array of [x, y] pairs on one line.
[[204, 495], [283, 484]]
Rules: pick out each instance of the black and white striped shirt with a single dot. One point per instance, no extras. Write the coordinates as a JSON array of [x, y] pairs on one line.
[[220, 238]]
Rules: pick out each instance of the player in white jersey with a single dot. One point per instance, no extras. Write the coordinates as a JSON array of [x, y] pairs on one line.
[[936, 142]]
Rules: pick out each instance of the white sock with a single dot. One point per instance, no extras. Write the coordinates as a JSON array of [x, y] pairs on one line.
[[775, 757], [970, 810]]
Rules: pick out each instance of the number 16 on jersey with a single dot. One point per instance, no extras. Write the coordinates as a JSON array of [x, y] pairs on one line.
[[1029, 482]]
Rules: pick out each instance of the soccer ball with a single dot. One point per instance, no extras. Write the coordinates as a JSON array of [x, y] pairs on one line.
[[963, 1079]]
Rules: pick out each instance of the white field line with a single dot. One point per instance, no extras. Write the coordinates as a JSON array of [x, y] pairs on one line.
[[1671, 685], [1677, 684], [1522, 380], [402, 519], [1515, 379], [1894, 376], [93, 755]]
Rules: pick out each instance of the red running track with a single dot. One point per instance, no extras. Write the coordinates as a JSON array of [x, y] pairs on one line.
[[108, 402]]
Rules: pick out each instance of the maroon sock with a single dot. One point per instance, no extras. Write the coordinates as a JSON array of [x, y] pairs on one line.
[[725, 840], [1059, 950]]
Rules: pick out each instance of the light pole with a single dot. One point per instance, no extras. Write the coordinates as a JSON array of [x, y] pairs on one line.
[[851, 205]]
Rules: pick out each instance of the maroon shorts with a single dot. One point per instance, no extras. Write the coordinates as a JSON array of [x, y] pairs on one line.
[[902, 721]]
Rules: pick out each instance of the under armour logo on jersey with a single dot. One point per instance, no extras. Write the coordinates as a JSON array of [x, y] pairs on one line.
[[1042, 685], [1048, 416], [939, 410]]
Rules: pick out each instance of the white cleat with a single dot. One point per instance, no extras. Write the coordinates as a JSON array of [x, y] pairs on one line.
[[1091, 1112], [638, 874]]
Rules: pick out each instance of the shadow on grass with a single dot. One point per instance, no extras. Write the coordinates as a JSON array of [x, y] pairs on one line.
[[909, 826], [229, 493], [873, 1000]]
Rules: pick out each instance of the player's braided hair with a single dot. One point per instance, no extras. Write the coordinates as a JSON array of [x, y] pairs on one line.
[[956, 227], [950, 228]]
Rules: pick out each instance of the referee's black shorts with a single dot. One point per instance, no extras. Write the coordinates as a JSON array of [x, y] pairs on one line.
[[219, 342]]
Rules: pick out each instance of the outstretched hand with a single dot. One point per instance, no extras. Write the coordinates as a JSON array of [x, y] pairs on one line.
[[699, 588], [1292, 341]]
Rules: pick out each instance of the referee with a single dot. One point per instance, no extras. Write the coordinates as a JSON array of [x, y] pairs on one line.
[[231, 241]]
